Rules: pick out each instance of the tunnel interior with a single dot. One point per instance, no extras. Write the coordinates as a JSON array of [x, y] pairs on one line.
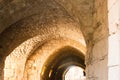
[[57, 64], [74, 73]]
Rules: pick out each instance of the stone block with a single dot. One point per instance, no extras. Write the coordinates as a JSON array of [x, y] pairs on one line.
[[114, 50], [114, 73], [8, 72]]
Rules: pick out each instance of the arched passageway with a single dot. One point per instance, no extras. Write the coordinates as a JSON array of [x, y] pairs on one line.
[[43, 57], [31, 31], [51, 30], [74, 73], [26, 35], [56, 65]]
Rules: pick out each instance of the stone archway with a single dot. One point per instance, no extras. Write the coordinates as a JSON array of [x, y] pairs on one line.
[[18, 41], [51, 19], [39, 59], [19, 62]]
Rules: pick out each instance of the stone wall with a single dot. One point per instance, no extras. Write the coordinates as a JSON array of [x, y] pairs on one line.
[[23, 37], [36, 61], [97, 53], [43, 20], [114, 39]]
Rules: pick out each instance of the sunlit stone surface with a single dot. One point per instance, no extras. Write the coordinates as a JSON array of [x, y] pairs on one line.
[[31, 31]]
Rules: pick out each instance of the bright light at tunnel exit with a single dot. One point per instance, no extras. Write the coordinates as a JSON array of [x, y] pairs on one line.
[[74, 73]]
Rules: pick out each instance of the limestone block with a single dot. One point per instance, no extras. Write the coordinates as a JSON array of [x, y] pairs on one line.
[[114, 50], [111, 3], [30, 63], [97, 71], [114, 73], [8, 72], [113, 15], [100, 50]]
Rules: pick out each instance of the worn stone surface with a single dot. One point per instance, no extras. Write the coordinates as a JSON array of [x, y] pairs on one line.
[[98, 61], [17, 59], [36, 61], [27, 24], [48, 25], [114, 39]]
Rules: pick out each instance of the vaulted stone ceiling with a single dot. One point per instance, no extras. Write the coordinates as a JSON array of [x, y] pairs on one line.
[[28, 24], [86, 12]]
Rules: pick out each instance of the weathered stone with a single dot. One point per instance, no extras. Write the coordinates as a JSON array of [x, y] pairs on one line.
[[31, 31]]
